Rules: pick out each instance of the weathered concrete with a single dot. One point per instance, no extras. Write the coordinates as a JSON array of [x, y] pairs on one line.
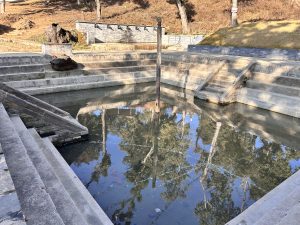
[[10, 209], [34, 199], [275, 54], [62, 201]]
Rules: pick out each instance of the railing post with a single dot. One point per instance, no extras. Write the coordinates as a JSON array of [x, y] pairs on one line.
[[158, 64]]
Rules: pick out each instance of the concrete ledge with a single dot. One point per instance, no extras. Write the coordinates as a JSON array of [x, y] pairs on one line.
[[276, 54], [57, 49]]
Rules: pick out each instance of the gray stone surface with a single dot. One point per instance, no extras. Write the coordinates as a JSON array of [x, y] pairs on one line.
[[62, 201], [35, 201], [10, 209], [114, 33], [88, 207], [276, 54]]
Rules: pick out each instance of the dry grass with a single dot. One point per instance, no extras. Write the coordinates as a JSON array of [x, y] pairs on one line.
[[207, 16], [280, 34]]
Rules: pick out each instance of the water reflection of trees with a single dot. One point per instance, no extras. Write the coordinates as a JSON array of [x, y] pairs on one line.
[[156, 149]]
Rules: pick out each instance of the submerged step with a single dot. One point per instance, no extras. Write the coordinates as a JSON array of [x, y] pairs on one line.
[[78, 79], [88, 85], [277, 79], [276, 88], [88, 207], [126, 63], [268, 100]]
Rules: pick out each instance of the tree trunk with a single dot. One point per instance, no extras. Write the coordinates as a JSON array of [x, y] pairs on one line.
[[98, 9], [2, 6], [78, 2], [234, 9], [183, 16]]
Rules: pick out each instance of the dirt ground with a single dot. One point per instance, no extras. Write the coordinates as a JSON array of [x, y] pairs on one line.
[[206, 16]]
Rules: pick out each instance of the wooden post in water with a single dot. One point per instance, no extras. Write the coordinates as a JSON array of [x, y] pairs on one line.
[[158, 64]]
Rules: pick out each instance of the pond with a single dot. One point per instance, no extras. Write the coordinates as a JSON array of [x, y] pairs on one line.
[[193, 163]]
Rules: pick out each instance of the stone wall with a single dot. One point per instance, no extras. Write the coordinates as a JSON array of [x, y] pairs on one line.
[[120, 33], [182, 40], [117, 33]]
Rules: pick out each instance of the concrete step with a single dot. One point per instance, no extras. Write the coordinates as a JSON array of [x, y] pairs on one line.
[[113, 56], [225, 77], [292, 216], [227, 70], [215, 88], [126, 63], [222, 83], [77, 72], [269, 100], [276, 88], [273, 206], [275, 211], [78, 79], [179, 83], [183, 77], [88, 207], [277, 79], [86, 85], [278, 68], [208, 96], [36, 203], [60, 197], [22, 76], [23, 68], [21, 59]]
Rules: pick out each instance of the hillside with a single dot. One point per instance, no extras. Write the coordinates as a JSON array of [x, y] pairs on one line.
[[207, 16], [272, 34]]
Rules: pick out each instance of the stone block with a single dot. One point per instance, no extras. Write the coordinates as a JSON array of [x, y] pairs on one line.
[[57, 49]]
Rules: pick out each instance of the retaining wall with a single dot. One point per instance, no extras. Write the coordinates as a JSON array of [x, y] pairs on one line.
[[122, 33], [276, 54], [116, 33]]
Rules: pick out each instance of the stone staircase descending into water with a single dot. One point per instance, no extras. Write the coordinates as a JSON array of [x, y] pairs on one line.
[[274, 86], [213, 78], [48, 190]]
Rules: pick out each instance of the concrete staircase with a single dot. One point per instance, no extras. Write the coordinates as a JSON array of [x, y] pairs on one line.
[[275, 87], [223, 79], [47, 119], [47, 188], [95, 70]]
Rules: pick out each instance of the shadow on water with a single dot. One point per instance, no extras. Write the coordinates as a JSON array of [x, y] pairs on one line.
[[193, 163]]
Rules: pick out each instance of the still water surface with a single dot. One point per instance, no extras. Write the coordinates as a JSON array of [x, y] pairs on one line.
[[147, 168]]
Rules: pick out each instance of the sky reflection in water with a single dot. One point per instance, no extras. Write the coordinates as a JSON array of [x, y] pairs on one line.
[[147, 169]]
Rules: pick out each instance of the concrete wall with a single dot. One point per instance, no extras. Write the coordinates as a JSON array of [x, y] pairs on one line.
[[116, 33], [182, 40]]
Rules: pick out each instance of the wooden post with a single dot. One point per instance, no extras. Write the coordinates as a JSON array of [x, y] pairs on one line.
[[158, 64], [234, 9]]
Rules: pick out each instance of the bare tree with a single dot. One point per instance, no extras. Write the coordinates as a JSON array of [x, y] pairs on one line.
[[183, 16], [98, 9], [2, 6], [234, 9]]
